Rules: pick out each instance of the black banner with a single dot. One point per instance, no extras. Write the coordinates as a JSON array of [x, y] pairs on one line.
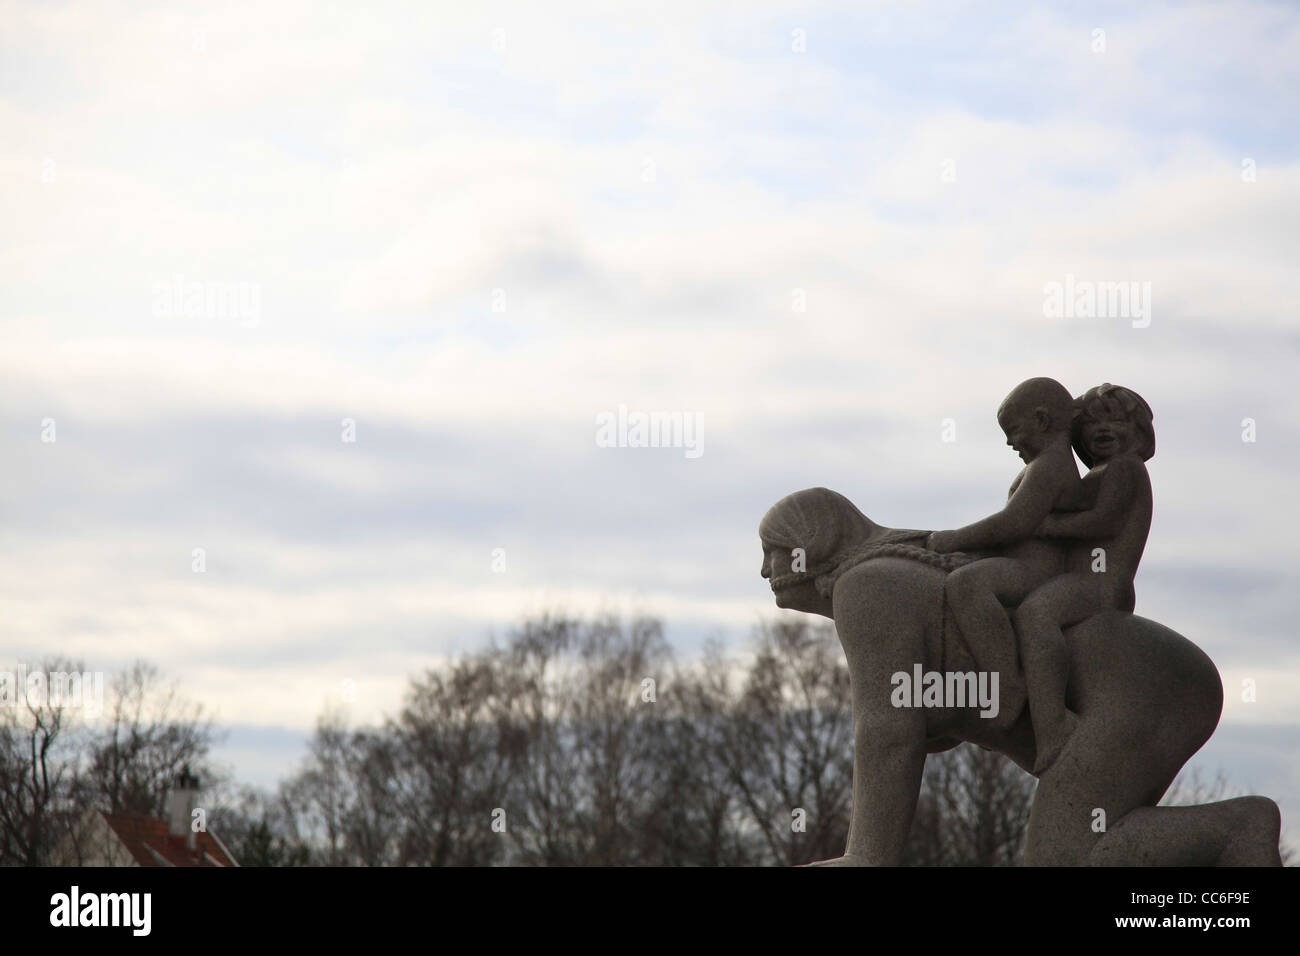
[[933, 906]]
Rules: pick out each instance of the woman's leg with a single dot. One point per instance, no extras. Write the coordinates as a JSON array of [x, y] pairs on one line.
[[1239, 832]]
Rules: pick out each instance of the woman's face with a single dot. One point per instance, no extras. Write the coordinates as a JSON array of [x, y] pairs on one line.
[[1107, 435], [791, 589]]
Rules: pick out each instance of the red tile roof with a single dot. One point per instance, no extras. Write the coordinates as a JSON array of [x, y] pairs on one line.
[[151, 845]]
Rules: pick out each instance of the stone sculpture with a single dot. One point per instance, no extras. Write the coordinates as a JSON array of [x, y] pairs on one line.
[[1110, 705]]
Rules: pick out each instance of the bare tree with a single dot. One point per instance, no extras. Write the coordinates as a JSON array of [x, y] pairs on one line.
[[699, 819], [152, 732], [322, 791], [980, 803], [788, 747], [583, 722], [444, 767], [257, 829], [38, 770]]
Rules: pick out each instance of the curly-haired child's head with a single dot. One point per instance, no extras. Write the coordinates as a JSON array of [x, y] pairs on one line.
[[1111, 420]]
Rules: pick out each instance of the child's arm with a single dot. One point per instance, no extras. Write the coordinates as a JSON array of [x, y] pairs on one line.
[[1106, 517], [1040, 484]]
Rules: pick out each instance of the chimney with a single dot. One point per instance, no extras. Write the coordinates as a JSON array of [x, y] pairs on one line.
[[185, 797]]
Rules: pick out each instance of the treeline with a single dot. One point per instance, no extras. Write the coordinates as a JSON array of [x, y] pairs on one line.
[[570, 742], [582, 743]]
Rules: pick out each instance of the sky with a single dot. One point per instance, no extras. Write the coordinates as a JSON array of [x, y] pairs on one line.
[[309, 312]]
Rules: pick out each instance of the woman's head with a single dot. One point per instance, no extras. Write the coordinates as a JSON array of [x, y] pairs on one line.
[[1111, 420], [803, 534]]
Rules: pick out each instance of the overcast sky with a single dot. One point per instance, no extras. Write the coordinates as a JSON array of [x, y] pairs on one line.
[[826, 230]]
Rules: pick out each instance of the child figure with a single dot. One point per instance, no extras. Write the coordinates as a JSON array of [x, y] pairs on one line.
[[1113, 436], [1036, 418]]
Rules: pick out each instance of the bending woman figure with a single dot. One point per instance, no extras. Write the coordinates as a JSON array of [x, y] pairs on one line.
[[1146, 700]]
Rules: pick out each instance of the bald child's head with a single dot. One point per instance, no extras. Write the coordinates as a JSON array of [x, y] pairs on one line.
[[1045, 393], [1036, 412]]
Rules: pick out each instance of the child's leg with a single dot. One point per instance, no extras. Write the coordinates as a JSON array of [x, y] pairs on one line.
[[1039, 622], [976, 593]]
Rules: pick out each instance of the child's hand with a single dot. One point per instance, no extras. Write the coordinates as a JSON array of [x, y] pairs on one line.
[[944, 542]]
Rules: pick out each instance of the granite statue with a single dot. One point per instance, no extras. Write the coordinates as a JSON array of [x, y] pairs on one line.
[[1103, 706]]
